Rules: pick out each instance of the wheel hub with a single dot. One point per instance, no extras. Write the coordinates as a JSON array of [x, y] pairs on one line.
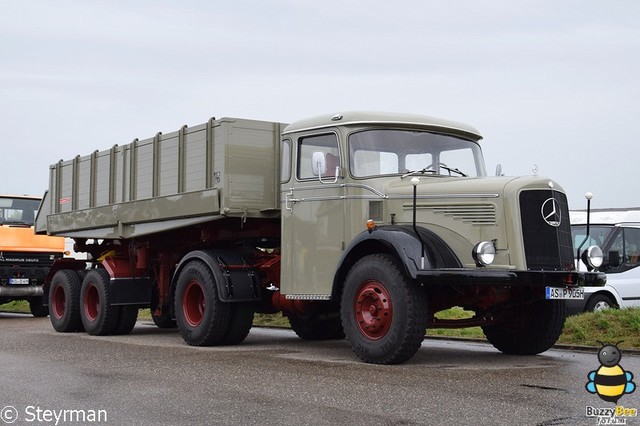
[[373, 309]]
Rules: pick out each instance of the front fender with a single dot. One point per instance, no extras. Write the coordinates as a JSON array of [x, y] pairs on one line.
[[402, 242]]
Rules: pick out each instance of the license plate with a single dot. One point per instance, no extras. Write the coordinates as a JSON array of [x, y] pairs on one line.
[[565, 293], [14, 281]]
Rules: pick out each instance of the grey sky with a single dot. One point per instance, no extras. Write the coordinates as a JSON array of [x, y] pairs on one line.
[[550, 83]]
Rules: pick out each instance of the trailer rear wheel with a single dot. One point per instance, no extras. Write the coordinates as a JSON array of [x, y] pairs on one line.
[[127, 317], [529, 329], [64, 301], [203, 320], [98, 316], [384, 314], [239, 324]]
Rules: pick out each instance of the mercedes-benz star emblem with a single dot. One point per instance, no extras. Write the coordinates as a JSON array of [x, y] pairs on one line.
[[551, 212]]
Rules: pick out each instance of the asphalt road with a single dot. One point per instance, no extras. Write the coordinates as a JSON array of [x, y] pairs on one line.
[[152, 377]]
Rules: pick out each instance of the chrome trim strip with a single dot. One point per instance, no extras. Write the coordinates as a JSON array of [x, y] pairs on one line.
[[445, 196], [334, 186], [308, 297]]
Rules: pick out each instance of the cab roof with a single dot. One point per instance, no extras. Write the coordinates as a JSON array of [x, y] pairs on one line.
[[606, 216], [24, 196], [358, 118]]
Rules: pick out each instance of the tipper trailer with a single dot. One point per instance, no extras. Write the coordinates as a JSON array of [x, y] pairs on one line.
[[359, 224]]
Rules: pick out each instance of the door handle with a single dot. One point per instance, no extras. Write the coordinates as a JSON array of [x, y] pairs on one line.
[[289, 201]]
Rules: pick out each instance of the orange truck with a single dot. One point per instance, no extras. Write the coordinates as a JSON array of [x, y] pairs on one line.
[[25, 258]]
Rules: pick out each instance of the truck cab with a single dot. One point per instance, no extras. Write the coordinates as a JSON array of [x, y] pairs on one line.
[[25, 258]]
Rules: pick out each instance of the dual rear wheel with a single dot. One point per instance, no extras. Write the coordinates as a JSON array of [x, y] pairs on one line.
[[80, 300]]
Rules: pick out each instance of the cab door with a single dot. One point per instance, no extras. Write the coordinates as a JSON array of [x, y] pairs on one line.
[[312, 215]]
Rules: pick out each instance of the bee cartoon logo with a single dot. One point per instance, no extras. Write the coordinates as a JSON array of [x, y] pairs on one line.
[[610, 381]]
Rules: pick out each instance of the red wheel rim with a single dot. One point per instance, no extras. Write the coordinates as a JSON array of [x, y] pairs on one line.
[[373, 309], [58, 302], [91, 302], [193, 303]]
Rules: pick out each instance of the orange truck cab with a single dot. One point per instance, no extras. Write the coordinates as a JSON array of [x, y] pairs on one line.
[[25, 258]]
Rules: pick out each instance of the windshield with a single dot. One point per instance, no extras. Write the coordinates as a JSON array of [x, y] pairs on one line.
[[18, 210], [597, 235], [397, 152]]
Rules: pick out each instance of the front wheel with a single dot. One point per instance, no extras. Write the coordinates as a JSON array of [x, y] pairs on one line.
[[599, 302], [37, 307], [528, 329], [384, 314]]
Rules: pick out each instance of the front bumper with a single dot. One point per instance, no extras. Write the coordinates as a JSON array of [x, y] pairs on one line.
[[500, 277], [21, 291]]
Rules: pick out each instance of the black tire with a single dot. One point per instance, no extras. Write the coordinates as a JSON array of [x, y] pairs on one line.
[[64, 301], [164, 320], [37, 307], [599, 302], [530, 329], [203, 320], [315, 328], [127, 317], [99, 318], [239, 324], [384, 314]]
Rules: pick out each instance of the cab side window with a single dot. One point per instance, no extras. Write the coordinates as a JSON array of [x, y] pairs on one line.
[[627, 245], [632, 246], [285, 163], [327, 144]]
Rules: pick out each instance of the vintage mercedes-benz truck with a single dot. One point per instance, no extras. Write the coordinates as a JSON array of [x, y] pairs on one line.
[[357, 224]]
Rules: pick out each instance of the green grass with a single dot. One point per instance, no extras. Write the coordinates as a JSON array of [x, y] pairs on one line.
[[21, 306], [610, 326], [587, 329]]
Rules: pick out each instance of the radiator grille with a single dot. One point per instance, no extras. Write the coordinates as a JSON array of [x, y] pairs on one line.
[[26, 259], [547, 247]]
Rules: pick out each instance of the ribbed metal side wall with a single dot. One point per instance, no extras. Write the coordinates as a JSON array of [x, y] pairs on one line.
[[546, 247]]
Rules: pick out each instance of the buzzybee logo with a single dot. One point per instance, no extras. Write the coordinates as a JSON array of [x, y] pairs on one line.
[[610, 382]]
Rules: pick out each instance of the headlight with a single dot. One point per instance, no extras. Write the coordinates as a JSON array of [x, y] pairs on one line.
[[484, 253], [592, 257]]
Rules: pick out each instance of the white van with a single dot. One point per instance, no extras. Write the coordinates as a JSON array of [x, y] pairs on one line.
[[617, 232]]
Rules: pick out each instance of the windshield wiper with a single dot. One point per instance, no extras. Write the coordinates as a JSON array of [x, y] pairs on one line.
[[430, 169], [15, 223], [449, 169], [415, 172]]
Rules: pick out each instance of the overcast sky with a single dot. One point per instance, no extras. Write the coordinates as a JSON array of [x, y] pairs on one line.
[[550, 84]]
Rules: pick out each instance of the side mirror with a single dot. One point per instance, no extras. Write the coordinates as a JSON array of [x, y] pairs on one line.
[[614, 259], [499, 171], [318, 164]]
